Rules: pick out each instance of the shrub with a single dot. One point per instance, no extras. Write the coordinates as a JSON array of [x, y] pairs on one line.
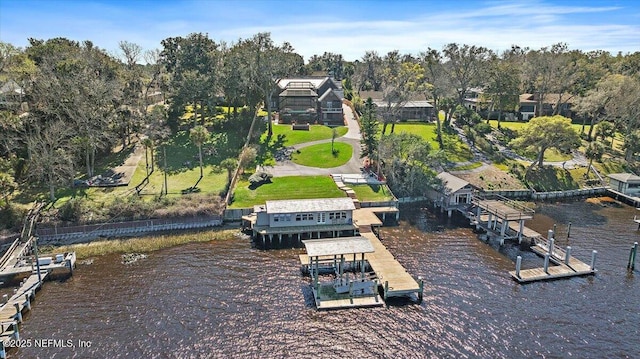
[[259, 178], [482, 128]]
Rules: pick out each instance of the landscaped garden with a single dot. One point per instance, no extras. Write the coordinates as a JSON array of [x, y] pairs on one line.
[[323, 155]]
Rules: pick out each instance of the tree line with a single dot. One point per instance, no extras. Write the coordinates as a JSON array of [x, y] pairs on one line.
[[83, 101]]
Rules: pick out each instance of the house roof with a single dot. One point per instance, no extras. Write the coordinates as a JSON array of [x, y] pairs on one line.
[[316, 82], [298, 92], [451, 182], [310, 205], [624, 177], [328, 93], [408, 104], [11, 87], [550, 98], [337, 246]]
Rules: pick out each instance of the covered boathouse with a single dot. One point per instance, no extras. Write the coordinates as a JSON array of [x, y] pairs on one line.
[[348, 285], [294, 220]]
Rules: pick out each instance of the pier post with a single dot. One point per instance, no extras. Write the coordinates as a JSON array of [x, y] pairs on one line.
[[551, 245], [5, 298], [503, 230], [546, 263], [632, 256], [27, 302], [550, 234], [16, 332], [18, 312], [421, 284], [386, 289], [489, 220], [567, 255], [3, 351], [518, 265], [569, 230], [593, 259], [520, 230]]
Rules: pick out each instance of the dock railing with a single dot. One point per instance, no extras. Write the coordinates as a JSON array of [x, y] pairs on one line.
[[524, 210]]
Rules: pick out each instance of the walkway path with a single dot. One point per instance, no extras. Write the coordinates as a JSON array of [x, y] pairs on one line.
[[287, 167]]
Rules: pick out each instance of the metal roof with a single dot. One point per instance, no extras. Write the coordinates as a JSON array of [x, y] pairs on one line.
[[451, 182], [310, 205], [624, 177], [337, 246]]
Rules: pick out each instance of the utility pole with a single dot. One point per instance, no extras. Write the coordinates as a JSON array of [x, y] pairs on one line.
[[164, 151]]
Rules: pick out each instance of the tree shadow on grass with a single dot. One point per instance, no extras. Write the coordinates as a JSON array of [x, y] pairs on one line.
[[269, 147]]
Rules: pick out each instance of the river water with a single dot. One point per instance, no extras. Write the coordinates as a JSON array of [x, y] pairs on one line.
[[227, 299]]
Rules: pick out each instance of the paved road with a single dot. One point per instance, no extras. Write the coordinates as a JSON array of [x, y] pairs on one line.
[[288, 168]]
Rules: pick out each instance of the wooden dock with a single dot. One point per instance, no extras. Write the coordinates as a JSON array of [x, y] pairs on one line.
[[396, 281], [563, 268]]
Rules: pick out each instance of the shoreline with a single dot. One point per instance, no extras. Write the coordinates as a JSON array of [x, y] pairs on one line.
[[143, 244]]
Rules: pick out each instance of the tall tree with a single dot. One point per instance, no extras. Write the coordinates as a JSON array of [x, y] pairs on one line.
[[199, 135], [266, 64], [503, 84], [50, 157], [400, 82], [624, 107], [543, 133], [466, 67], [370, 132], [594, 151]]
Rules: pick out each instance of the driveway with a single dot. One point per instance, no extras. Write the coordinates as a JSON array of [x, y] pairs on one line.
[[286, 167]]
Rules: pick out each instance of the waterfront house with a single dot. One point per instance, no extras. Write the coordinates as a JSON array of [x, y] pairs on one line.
[[416, 108], [309, 100], [457, 193], [625, 183], [309, 218]]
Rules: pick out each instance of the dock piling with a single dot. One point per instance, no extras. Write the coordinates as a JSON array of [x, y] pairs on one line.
[[27, 302], [632, 257], [421, 283], [18, 312], [551, 245], [518, 265], [593, 259], [546, 263], [567, 255], [569, 230], [3, 351]]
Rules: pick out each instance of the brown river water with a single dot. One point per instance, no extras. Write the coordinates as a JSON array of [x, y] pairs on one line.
[[227, 299]]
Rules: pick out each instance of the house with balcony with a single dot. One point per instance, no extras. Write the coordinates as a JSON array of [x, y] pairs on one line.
[[309, 100], [302, 218]]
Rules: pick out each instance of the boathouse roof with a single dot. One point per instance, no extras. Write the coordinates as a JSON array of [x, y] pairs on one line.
[[337, 246], [624, 177], [451, 182], [310, 205]]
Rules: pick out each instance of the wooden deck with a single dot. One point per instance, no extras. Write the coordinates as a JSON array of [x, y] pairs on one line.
[[560, 270], [388, 269], [513, 226], [22, 298], [504, 210]]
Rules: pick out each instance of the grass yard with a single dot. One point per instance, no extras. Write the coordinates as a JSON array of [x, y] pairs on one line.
[[292, 187], [320, 155], [467, 167], [288, 137], [455, 150], [372, 192], [516, 126]]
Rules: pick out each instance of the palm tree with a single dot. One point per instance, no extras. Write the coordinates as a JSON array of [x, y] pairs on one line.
[[229, 164], [199, 135], [594, 151]]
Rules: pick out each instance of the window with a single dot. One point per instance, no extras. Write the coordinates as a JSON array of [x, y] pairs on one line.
[[304, 217], [282, 217], [337, 215], [329, 104]]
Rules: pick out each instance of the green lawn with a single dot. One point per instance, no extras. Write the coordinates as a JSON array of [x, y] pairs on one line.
[[320, 155], [515, 126], [288, 137], [292, 187], [455, 150], [467, 167], [372, 193]]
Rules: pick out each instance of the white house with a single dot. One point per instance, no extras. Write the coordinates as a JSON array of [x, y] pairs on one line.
[[626, 183], [457, 193], [328, 217]]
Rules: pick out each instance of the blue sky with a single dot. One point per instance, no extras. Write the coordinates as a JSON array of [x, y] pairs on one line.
[[346, 27]]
